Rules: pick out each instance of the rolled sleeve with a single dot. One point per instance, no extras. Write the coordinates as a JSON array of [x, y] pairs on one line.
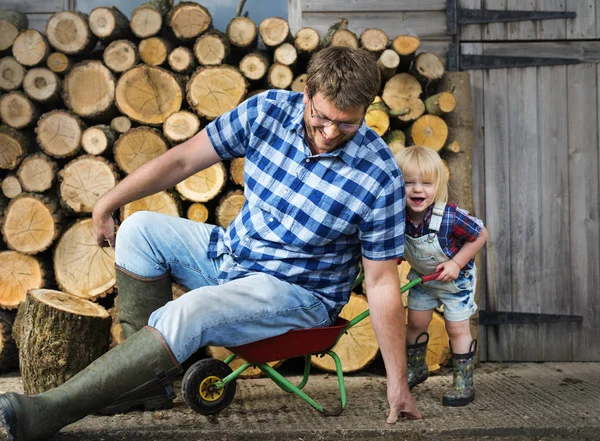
[[466, 227]]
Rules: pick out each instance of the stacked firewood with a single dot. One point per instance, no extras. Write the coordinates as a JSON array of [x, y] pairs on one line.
[[96, 96]]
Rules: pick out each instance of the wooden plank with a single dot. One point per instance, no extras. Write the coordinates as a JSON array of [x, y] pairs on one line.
[[584, 25], [495, 31], [584, 188], [525, 205], [38, 21], [425, 25], [497, 209], [36, 6], [470, 32], [478, 183], [294, 15], [521, 30], [372, 5], [551, 29], [586, 51], [553, 188]]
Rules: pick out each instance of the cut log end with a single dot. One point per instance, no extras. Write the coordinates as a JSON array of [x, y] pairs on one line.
[[37, 173], [229, 207], [138, 146], [430, 131], [121, 55], [211, 49], [11, 74], [181, 126], [18, 274], [17, 110], [58, 63], [161, 202], [205, 185], [189, 20], [89, 89], [274, 31], [42, 85], [146, 21], [374, 40], [406, 45], [224, 82], [68, 32], [242, 32], [31, 48], [59, 133], [197, 212]]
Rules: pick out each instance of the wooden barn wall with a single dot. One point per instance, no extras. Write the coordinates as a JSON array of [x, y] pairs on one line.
[[536, 167]]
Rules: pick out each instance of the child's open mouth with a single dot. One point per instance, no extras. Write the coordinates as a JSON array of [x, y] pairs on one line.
[[417, 201]]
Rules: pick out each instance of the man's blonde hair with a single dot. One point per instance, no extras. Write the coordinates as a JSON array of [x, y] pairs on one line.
[[346, 76], [428, 164]]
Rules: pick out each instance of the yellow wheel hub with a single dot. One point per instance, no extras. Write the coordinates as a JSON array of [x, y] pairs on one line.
[[208, 390]]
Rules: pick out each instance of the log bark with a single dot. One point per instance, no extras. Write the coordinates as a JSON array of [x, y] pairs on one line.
[[236, 171], [388, 63], [14, 146], [440, 104], [205, 185], [212, 48], [84, 180], [224, 82], [162, 202], [358, 347], [59, 133], [17, 110], [108, 23], [68, 32], [148, 94], [11, 74], [429, 131], [280, 76], [12, 23], [229, 207], [189, 20], [97, 140], [396, 141], [155, 50], [121, 55], [254, 66], [89, 90], [181, 60], [18, 274], [32, 223], [60, 335], [37, 173], [401, 93], [59, 63], [42, 85], [374, 40], [181, 126], [197, 212], [81, 267], [31, 48], [11, 187], [378, 117], [138, 146], [9, 354], [339, 35], [274, 31]]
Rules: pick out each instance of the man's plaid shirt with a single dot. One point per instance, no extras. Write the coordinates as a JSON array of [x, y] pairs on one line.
[[456, 229], [307, 218]]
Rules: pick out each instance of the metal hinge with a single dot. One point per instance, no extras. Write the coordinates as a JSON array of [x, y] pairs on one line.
[[456, 16], [458, 61], [523, 318]]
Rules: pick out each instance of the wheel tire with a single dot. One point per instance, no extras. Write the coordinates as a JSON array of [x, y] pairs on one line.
[[196, 389]]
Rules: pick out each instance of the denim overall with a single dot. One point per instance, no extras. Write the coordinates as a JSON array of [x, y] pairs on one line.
[[424, 254]]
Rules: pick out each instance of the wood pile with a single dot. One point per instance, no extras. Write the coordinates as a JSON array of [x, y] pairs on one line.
[[96, 96]]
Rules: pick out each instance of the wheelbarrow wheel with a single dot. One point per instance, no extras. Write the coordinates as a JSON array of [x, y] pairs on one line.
[[198, 386]]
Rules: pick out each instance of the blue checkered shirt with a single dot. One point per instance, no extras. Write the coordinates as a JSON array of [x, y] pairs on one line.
[[307, 218]]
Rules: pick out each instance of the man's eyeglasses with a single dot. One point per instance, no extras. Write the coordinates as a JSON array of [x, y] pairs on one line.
[[324, 122]]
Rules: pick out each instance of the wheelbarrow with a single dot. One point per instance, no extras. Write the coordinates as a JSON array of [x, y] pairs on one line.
[[209, 385]]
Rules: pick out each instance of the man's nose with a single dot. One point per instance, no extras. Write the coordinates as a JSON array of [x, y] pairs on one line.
[[331, 131]]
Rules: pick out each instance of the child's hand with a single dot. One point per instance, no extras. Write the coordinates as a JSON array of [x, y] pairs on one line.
[[449, 269]]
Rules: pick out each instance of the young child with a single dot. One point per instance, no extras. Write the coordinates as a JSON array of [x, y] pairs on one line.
[[439, 237]]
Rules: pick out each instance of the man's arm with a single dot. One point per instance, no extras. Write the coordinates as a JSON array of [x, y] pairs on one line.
[[164, 172], [388, 318]]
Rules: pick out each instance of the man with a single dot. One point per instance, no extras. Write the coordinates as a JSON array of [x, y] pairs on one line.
[[322, 190]]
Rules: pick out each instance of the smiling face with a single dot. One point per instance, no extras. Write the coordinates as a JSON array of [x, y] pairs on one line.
[[420, 194], [323, 135]]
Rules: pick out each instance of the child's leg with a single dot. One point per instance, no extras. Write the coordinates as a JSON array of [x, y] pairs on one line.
[[418, 322], [460, 336]]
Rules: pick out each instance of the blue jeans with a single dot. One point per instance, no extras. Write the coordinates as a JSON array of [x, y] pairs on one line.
[[213, 312]]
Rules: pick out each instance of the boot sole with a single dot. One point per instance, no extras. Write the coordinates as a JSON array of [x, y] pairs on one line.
[[158, 403], [457, 402], [419, 381], [8, 417]]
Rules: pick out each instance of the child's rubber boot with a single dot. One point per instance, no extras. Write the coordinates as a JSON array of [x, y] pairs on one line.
[[417, 370], [463, 390]]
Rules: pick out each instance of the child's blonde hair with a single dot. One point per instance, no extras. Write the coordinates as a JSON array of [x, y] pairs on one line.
[[429, 165]]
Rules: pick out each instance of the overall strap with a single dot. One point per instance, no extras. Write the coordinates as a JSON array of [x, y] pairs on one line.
[[436, 219]]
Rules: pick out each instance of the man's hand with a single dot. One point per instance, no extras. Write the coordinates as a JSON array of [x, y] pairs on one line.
[[450, 271], [104, 227], [401, 403]]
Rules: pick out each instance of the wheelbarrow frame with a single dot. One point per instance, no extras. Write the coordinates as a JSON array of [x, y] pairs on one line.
[[217, 386]]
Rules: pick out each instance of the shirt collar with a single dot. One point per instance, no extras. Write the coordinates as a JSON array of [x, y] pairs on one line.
[[426, 219]]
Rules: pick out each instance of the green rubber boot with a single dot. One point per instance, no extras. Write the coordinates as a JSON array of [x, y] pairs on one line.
[[142, 361], [463, 390], [417, 370], [139, 297]]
